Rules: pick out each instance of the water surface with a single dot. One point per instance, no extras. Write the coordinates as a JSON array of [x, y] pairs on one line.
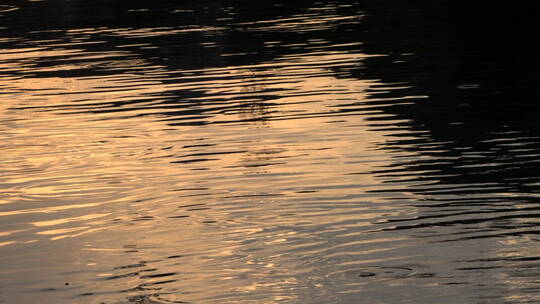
[[276, 152]]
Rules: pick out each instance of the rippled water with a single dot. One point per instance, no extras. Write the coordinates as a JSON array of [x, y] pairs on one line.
[[267, 152]]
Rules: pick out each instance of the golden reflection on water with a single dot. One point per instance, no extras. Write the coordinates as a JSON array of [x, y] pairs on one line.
[[106, 183], [243, 206], [130, 175]]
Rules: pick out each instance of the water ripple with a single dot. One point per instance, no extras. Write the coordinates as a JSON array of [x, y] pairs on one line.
[[273, 151]]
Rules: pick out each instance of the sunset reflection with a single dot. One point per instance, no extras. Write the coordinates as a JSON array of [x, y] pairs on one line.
[[268, 152]]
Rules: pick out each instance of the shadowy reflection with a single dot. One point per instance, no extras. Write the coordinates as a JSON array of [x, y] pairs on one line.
[[472, 150], [477, 136]]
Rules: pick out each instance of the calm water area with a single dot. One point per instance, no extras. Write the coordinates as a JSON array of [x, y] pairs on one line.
[[232, 151]]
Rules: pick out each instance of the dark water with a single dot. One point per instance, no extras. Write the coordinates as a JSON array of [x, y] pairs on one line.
[[268, 152]]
